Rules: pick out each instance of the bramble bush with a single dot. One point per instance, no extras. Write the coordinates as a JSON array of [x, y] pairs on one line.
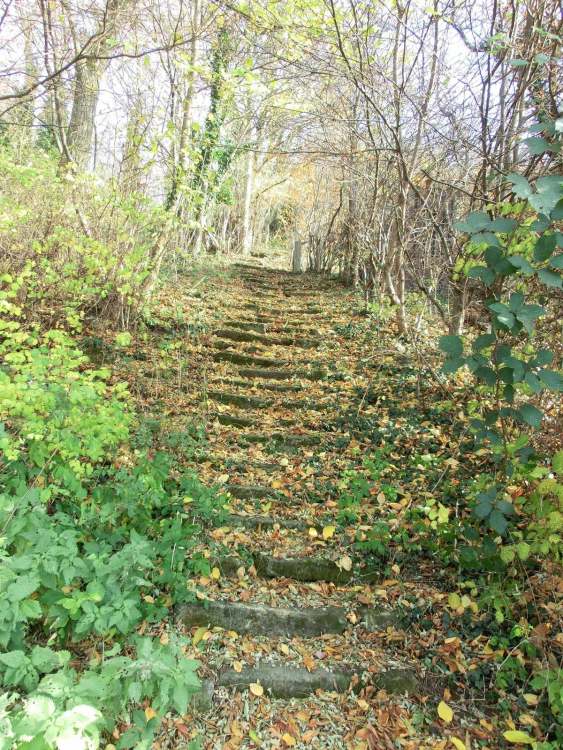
[[91, 548], [77, 247]]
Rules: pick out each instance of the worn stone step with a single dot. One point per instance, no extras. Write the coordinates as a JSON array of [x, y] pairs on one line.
[[245, 325], [277, 387], [251, 491], [300, 568], [257, 372], [268, 522], [283, 440], [236, 358], [286, 681], [239, 335], [236, 399], [230, 420], [258, 619], [305, 622]]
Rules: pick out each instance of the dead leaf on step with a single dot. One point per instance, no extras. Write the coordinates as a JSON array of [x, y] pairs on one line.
[[256, 689]]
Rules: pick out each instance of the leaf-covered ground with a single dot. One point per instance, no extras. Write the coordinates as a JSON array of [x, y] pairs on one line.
[[337, 451]]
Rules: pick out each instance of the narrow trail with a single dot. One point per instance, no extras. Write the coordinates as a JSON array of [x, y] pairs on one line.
[[294, 627]]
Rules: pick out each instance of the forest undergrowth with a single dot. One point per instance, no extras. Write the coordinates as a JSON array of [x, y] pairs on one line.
[[117, 493]]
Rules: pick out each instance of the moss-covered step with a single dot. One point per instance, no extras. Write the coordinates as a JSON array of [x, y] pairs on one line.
[[282, 440], [277, 387], [250, 491], [267, 522], [257, 372], [236, 358], [237, 399], [300, 568], [246, 325], [240, 335], [229, 420], [258, 619], [286, 681]]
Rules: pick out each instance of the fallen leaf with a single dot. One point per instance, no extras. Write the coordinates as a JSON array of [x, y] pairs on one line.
[[216, 574], [445, 712], [150, 713], [518, 738], [313, 532], [289, 740], [256, 689], [328, 532], [237, 666], [531, 699], [345, 563], [457, 743], [198, 635]]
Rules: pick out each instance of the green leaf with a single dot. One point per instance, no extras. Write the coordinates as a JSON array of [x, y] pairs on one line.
[[552, 379], [557, 462], [531, 415], [14, 659], [539, 146], [22, 588], [550, 278], [452, 345], [483, 341], [523, 550], [498, 522], [520, 263], [557, 261], [503, 225], [520, 185], [474, 222], [483, 273], [545, 246]]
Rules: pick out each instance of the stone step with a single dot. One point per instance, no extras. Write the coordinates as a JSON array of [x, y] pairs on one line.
[[243, 402], [288, 682], [251, 491], [259, 619], [232, 421], [283, 440], [239, 335], [257, 372], [268, 522], [276, 387], [246, 325], [236, 358], [304, 569]]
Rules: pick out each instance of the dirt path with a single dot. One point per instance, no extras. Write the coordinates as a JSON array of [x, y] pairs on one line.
[[293, 626]]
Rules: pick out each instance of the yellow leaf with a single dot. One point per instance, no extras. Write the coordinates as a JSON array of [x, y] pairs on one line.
[[457, 743], [237, 666], [313, 532], [215, 574], [454, 601], [150, 713], [445, 712], [345, 563], [531, 699], [518, 738], [289, 740], [198, 635], [328, 532], [284, 648], [256, 689]]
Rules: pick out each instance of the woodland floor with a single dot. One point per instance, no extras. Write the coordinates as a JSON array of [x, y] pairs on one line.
[[295, 391]]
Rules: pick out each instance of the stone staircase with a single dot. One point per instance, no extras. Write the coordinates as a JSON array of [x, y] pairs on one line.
[[273, 389]]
